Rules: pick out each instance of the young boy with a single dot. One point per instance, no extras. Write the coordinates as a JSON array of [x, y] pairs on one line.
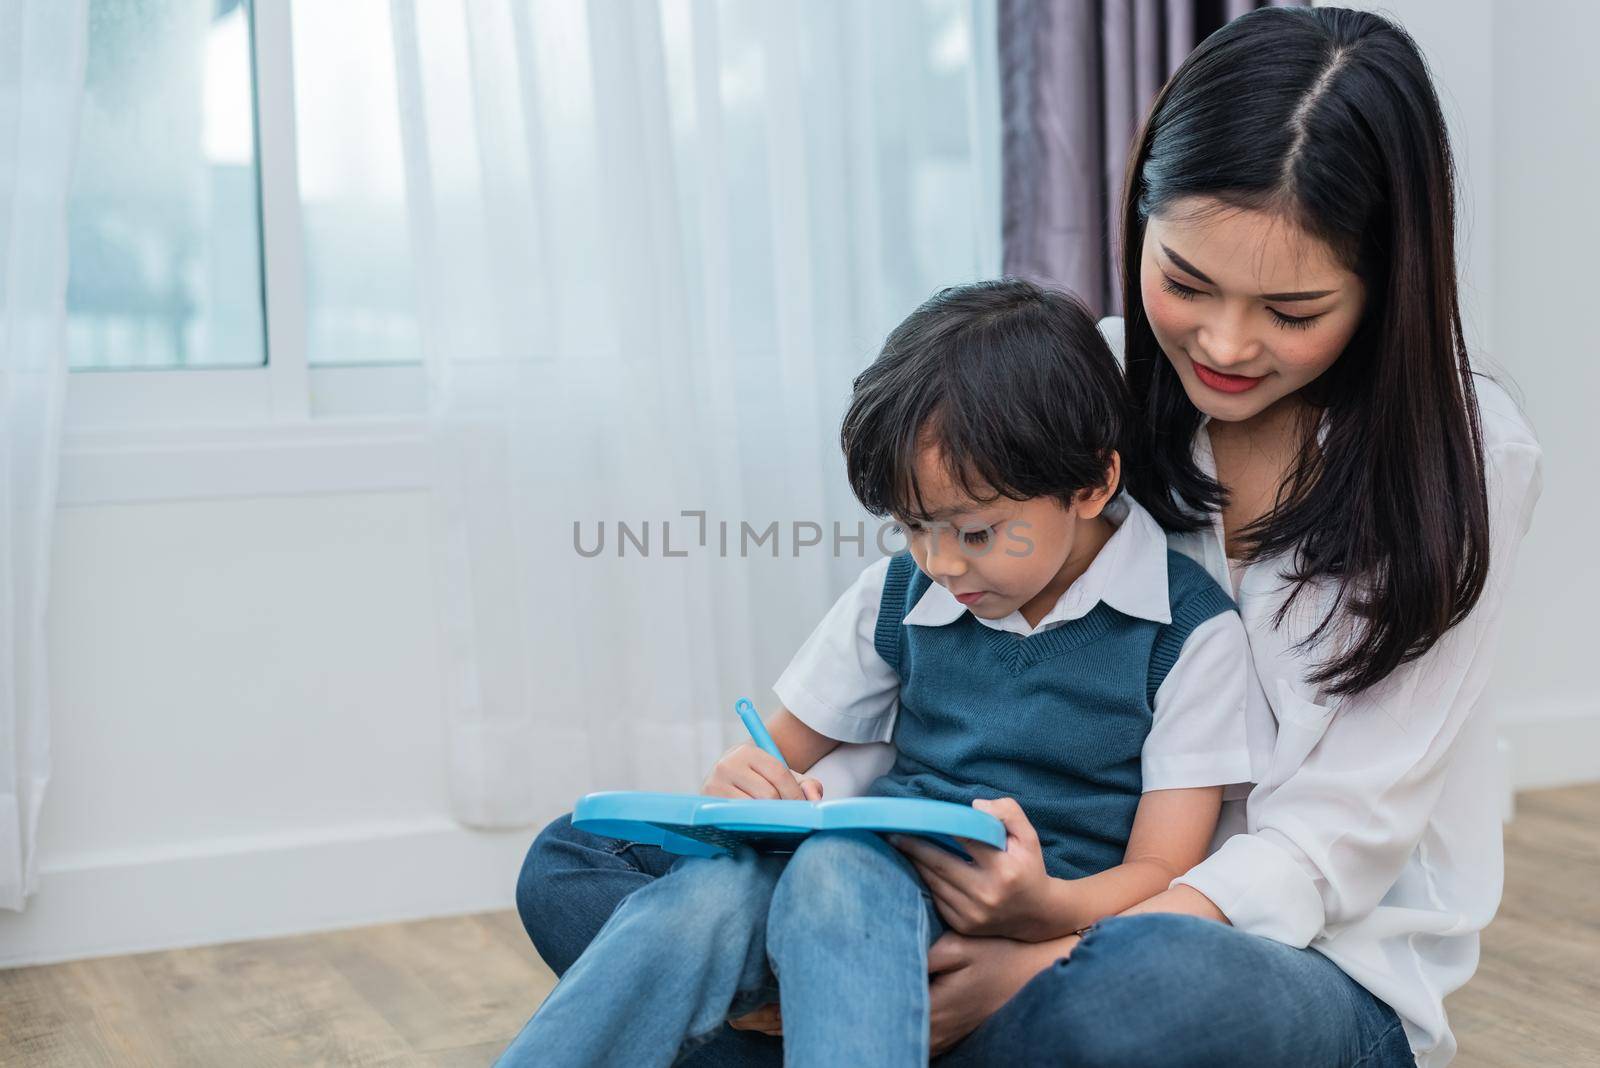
[[1038, 652]]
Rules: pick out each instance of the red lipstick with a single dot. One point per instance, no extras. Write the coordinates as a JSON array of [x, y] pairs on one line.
[[1224, 383]]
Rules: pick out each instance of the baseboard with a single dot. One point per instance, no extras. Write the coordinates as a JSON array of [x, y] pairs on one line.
[[1557, 746], [262, 887]]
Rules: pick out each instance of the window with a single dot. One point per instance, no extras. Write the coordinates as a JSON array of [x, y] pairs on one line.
[[242, 265], [238, 261], [164, 225], [360, 307]]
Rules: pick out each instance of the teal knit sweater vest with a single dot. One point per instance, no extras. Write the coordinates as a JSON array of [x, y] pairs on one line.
[[1056, 720]]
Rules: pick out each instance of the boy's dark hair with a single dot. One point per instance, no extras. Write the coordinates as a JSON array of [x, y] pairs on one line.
[[1011, 381]]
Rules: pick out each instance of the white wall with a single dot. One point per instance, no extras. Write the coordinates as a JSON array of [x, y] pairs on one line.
[[247, 715], [247, 728], [1546, 119], [1521, 92]]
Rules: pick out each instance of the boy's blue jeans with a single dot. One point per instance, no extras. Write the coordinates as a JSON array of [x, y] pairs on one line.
[[1157, 991], [846, 921]]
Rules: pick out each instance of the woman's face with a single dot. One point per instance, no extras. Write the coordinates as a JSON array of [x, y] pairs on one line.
[[1248, 308]]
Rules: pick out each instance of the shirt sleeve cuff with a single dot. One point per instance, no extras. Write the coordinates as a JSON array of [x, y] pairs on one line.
[[1189, 770], [828, 721], [1261, 889]]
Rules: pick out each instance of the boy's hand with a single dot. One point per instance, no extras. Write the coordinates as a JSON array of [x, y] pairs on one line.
[[747, 771], [1005, 893]]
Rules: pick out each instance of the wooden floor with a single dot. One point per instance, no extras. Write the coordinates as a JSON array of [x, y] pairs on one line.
[[453, 992]]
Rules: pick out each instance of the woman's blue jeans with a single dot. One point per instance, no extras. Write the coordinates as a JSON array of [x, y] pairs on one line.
[[1150, 991]]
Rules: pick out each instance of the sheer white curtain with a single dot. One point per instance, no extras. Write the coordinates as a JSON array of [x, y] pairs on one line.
[[655, 242], [42, 45]]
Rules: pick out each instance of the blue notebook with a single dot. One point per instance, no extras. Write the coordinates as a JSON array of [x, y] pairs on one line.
[[704, 826]]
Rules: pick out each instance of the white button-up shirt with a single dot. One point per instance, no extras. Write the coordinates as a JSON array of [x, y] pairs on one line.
[[1201, 730], [1374, 836]]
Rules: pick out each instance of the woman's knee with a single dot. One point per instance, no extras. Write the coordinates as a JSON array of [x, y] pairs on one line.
[[570, 882], [550, 852], [541, 900]]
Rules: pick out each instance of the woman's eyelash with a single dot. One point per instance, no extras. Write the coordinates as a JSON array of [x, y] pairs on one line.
[[1288, 322], [1292, 322], [1178, 289]]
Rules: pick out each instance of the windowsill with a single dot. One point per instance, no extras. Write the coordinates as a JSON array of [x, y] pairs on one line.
[[131, 465], [208, 434]]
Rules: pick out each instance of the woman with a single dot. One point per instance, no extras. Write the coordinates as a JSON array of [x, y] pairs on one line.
[[1312, 433]]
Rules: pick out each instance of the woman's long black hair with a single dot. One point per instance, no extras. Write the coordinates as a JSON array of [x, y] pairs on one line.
[[1328, 117]]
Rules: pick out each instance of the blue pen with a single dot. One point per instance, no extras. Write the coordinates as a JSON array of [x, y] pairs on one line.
[[758, 730]]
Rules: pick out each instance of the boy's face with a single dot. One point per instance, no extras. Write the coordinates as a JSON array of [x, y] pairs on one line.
[[1003, 556]]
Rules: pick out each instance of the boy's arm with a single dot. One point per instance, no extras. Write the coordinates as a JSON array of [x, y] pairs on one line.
[[800, 745], [1010, 893], [746, 770], [1172, 830]]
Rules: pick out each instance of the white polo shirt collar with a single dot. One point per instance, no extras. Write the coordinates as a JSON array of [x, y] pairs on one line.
[[1129, 574]]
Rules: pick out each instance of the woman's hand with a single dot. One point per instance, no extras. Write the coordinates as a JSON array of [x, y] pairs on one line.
[[970, 978], [1000, 892], [768, 1019], [747, 771]]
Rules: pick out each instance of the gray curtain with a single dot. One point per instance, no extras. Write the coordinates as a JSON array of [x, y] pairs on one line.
[[1076, 79]]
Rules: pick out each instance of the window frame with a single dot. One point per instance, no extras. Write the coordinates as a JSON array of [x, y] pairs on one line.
[[283, 427]]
